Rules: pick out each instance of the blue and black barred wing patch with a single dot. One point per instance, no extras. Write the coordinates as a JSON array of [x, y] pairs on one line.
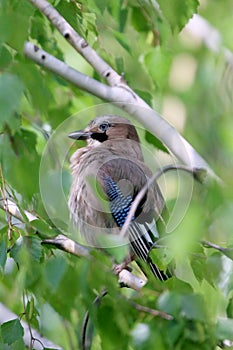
[[141, 235], [119, 204]]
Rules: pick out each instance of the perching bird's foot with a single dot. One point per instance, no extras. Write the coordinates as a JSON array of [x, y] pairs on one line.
[[117, 268]]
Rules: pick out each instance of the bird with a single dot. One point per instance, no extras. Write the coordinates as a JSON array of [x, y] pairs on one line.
[[107, 174]]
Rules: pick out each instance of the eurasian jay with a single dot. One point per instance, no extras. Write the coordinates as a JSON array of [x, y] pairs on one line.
[[107, 175]]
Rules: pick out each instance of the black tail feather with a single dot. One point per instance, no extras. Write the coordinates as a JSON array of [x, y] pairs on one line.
[[141, 245]]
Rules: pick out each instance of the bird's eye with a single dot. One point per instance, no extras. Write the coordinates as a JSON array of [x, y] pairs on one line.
[[104, 126]]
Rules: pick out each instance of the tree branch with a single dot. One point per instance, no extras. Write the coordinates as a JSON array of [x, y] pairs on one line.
[[75, 77], [79, 43], [66, 244], [119, 93], [8, 206]]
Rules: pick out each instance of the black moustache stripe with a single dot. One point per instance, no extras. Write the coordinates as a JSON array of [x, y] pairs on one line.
[[101, 137]]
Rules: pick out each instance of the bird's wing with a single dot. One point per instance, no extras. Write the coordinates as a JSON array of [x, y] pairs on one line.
[[142, 230]]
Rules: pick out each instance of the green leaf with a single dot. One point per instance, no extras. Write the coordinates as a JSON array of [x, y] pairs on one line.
[[32, 312], [56, 114], [20, 162], [200, 269], [17, 345], [55, 269], [30, 308], [11, 90], [14, 252], [161, 256], [3, 255], [215, 264], [67, 291], [39, 31], [138, 20], [175, 284], [43, 228], [71, 12], [31, 243], [193, 307], [228, 252], [145, 95], [224, 329], [12, 331], [89, 23], [5, 57], [158, 64], [100, 5], [123, 41], [14, 24], [190, 306], [116, 246], [150, 138], [36, 84], [120, 64], [123, 19], [114, 332], [230, 308], [178, 12]]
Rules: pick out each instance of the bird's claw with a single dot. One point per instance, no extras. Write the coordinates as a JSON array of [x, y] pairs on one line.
[[117, 268]]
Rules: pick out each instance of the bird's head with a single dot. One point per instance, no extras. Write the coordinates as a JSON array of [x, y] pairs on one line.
[[106, 128]]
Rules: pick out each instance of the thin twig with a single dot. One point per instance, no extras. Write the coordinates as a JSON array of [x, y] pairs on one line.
[[208, 244], [150, 311], [144, 189], [4, 197], [86, 345], [28, 321], [228, 252]]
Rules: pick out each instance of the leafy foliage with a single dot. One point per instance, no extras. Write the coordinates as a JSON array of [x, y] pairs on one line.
[[145, 43], [11, 331], [178, 13]]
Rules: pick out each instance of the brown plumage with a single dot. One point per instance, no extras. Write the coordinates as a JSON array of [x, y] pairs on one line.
[[107, 175]]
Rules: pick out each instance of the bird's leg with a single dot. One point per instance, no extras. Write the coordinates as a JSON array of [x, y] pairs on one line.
[[117, 268]]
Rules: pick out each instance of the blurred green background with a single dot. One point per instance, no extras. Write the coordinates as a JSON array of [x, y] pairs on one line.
[[186, 81]]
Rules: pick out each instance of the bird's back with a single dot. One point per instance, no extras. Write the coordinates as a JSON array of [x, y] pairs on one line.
[[95, 173]]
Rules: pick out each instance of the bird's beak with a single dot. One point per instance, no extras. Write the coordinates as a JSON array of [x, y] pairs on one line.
[[80, 135]]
